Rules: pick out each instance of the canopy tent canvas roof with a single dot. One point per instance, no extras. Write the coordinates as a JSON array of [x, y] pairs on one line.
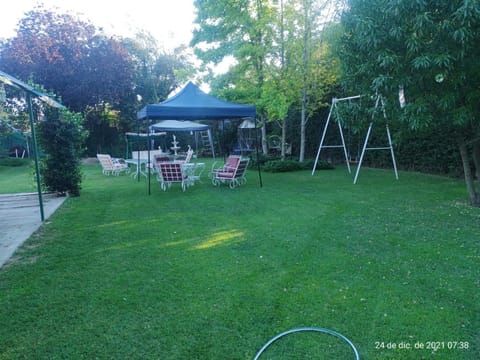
[[176, 125], [191, 103], [134, 138], [141, 136], [247, 124]]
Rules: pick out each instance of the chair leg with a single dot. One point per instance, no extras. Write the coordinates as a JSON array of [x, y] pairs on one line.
[[234, 183]]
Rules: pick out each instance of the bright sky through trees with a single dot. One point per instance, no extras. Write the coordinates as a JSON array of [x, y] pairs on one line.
[[170, 22]]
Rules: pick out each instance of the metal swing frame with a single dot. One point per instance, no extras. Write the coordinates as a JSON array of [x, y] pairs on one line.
[[335, 101], [333, 107], [367, 137]]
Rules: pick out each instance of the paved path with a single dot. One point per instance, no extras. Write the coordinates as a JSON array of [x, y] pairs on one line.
[[20, 218]]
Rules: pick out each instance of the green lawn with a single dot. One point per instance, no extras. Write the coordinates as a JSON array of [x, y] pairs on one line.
[[214, 273], [17, 179]]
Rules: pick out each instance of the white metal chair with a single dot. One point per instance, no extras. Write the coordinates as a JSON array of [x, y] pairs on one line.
[[171, 172], [111, 165], [189, 155], [232, 175], [230, 164]]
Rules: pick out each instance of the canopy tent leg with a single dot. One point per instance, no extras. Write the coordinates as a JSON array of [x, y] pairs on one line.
[[149, 163], [257, 153]]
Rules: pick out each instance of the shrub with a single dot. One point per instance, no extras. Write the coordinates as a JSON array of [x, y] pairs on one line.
[[263, 159], [61, 139], [292, 165], [321, 165], [13, 162], [282, 166]]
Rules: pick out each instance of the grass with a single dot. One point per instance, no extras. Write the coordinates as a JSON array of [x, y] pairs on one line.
[[16, 179], [214, 273]]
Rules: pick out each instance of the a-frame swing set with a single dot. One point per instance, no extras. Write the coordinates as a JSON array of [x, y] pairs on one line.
[[333, 108], [379, 102]]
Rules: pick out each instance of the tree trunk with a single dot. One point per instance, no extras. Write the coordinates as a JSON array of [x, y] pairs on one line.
[[476, 159], [307, 37], [264, 137], [303, 121], [284, 136], [474, 196]]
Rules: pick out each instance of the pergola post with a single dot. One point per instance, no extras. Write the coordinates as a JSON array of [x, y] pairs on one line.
[[35, 155], [29, 91]]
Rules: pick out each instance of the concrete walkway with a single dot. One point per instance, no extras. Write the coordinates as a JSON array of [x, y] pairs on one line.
[[20, 218]]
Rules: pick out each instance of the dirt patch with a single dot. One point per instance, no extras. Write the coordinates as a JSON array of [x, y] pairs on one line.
[[89, 161]]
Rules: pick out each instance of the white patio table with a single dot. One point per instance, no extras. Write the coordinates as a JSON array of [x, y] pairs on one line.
[[138, 163]]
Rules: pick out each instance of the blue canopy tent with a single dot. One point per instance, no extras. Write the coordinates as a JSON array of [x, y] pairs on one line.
[[176, 125], [191, 103]]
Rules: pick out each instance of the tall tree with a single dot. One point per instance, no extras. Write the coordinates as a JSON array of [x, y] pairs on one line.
[[242, 30], [106, 78], [316, 69], [427, 49], [70, 57], [300, 69], [91, 72], [275, 99], [156, 72], [277, 51]]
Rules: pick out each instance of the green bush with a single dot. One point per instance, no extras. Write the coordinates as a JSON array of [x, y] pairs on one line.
[[321, 165], [282, 166], [292, 165], [61, 138], [262, 159]]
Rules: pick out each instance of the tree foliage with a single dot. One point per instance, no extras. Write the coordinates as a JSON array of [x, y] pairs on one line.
[[61, 137], [68, 56], [101, 76], [242, 30], [427, 49], [157, 73], [277, 52]]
